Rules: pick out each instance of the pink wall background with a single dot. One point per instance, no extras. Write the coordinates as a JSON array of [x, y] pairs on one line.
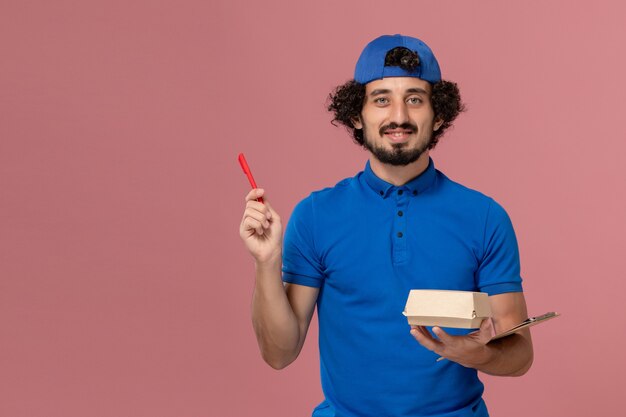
[[124, 287]]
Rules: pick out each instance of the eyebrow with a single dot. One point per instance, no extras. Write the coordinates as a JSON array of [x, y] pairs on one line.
[[417, 90], [413, 90], [379, 92]]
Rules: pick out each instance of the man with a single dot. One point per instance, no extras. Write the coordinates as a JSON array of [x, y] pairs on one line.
[[355, 251]]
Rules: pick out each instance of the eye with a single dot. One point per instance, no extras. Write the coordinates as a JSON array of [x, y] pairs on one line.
[[414, 100], [381, 100]]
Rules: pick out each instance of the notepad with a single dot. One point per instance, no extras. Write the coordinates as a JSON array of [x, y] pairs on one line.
[[526, 323], [529, 322]]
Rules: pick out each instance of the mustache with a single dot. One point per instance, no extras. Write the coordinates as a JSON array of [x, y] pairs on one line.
[[392, 125]]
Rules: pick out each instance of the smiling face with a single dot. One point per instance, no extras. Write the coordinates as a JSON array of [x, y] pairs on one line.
[[397, 119]]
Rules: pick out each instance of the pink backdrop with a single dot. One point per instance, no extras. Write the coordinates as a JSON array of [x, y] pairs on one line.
[[124, 287]]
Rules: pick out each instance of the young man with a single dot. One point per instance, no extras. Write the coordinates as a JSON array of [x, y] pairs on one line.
[[355, 251]]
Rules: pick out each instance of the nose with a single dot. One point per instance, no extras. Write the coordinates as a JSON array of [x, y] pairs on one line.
[[399, 113]]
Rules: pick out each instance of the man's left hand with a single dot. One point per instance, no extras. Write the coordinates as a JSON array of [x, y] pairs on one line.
[[470, 350]]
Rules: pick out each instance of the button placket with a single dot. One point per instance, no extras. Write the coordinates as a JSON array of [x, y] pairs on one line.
[[399, 226]]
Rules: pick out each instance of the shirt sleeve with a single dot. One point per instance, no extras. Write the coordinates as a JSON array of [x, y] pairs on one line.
[[301, 262], [499, 268]]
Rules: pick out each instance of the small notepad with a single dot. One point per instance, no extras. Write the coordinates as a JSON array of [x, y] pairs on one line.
[[526, 323]]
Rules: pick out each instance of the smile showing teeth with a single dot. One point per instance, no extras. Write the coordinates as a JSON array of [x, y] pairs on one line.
[[398, 135]]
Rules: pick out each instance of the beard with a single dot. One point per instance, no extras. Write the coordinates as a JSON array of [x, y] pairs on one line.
[[400, 154]]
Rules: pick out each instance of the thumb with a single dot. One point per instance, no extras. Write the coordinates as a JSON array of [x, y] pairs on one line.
[[486, 329], [486, 324]]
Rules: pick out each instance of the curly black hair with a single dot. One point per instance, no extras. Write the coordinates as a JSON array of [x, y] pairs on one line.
[[346, 101], [403, 58]]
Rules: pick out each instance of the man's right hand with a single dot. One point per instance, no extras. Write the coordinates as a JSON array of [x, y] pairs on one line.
[[261, 229], [280, 313]]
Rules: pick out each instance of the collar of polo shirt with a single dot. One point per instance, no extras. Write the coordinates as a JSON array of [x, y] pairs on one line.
[[414, 187]]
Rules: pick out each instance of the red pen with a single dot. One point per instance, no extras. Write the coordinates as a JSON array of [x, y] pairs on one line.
[[246, 170]]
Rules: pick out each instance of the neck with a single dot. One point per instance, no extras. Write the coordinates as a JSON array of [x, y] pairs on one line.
[[399, 175]]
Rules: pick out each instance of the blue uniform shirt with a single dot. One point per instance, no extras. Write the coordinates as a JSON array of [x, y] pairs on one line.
[[365, 243]]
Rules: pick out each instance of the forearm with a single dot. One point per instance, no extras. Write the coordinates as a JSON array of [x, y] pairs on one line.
[[509, 356], [275, 324]]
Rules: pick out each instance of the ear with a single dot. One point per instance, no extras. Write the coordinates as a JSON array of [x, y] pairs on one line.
[[356, 122], [438, 123]]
